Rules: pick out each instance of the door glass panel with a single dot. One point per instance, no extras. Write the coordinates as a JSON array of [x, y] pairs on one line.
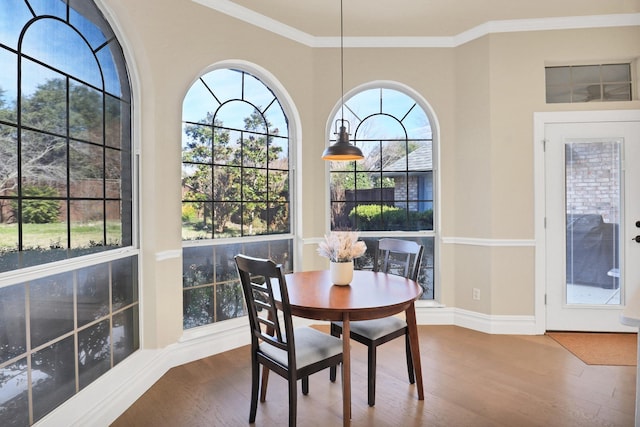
[[593, 208]]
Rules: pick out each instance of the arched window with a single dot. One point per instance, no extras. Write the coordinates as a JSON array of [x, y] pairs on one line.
[[235, 187], [65, 192], [392, 188]]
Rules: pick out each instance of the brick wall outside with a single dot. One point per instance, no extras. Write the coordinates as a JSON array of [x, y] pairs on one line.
[[401, 192], [593, 179]]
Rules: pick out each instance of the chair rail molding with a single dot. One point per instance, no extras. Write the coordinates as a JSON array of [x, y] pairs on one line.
[[474, 241]]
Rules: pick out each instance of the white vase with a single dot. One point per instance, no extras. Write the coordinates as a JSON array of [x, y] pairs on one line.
[[341, 272]]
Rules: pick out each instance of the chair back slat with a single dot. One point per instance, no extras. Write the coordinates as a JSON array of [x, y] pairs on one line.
[[261, 280], [401, 257]]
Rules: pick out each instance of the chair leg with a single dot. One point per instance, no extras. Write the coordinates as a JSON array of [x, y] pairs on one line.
[[293, 402], [372, 376], [255, 378], [410, 370], [263, 387], [305, 385], [336, 332]]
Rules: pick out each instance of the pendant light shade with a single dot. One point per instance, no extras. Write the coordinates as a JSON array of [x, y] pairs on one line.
[[342, 150]]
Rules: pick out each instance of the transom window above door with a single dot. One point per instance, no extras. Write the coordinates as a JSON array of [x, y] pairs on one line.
[[588, 83]]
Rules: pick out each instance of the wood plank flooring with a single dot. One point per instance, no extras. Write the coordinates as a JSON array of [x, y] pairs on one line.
[[471, 379]]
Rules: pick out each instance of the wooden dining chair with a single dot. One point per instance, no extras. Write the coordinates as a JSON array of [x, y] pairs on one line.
[[291, 353], [401, 257]]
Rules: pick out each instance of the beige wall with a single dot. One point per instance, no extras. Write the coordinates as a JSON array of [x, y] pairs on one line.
[[484, 94]]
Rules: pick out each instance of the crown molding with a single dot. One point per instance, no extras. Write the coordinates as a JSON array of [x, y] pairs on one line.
[[254, 18], [491, 27], [547, 24]]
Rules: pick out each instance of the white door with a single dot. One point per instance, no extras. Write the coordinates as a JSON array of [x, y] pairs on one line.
[[592, 204]]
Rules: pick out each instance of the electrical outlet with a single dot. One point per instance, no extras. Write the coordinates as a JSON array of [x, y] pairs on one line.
[[476, 294]]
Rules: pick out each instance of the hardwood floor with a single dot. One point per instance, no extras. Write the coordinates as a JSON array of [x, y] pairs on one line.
[[471, 379]]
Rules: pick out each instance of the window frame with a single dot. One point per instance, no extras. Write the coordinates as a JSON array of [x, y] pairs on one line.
[[294, 134], [432, 263], [81, 266], [127, 197]]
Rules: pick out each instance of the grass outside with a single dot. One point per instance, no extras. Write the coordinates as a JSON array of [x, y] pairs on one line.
[[54, 235], [194, 231]]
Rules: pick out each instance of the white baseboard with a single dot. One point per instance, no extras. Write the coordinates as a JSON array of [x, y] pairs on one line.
[[513, 325], [490, 324], [100, 403]]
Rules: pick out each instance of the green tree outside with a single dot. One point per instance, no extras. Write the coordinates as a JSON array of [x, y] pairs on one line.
[[235, 187]]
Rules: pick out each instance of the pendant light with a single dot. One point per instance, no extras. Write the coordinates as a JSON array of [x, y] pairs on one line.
[[342, 150]]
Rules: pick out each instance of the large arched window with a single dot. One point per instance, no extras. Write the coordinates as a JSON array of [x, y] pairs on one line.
[[392, 188], [65, 192], [235, 187]]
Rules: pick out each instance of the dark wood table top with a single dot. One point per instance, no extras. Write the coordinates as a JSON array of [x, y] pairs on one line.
[[369, 295]]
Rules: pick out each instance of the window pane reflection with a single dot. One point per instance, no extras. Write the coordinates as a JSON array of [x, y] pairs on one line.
[[14, 398], [124, 274], [197, 266], [197, 307], [94, 352], [53, 376], [57, 342], [51, 308], [229, 301], [126, 337], [93, 293], [211, 290], [13, 325]]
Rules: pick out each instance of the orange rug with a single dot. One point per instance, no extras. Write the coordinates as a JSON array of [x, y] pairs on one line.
[[600, 348]]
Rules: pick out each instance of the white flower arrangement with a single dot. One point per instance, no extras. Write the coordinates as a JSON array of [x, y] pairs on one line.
[[341, 246]]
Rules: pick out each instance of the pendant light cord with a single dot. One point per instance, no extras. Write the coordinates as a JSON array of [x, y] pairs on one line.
[[341, 64]]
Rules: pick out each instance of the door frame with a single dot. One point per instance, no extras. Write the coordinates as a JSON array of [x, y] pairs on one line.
[[540, 120]]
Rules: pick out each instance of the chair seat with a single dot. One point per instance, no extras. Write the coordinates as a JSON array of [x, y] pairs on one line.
[[376, 328], [311, 346]]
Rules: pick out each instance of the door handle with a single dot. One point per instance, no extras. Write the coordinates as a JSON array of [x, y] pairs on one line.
[[637, 239]]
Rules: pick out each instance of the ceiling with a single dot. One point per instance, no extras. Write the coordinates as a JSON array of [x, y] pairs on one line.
[[407, 18]]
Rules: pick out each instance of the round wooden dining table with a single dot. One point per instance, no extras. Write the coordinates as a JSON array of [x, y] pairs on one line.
[[370, 295]]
